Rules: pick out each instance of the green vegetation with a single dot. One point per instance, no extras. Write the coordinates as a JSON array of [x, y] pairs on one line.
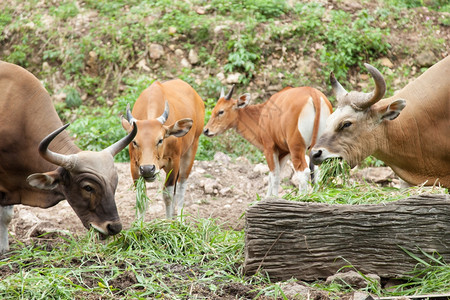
[[97, 52]]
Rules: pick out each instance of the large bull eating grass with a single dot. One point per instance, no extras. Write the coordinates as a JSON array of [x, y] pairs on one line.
[[409, 131], [32, 174]]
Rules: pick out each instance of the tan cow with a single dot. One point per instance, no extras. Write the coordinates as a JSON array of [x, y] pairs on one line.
[[88, 180], [283, 127], [170, 147], [409, 131]]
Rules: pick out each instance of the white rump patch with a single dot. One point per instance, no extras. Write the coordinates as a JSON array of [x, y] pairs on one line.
[[324, 114], [305, 121]]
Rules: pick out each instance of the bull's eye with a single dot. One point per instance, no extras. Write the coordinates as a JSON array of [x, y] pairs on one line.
[[160, 141], [134, 143], [220, 112], [346, 124], [88, 188]]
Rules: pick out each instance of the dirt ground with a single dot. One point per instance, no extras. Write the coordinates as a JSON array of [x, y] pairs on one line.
[[219, 189]]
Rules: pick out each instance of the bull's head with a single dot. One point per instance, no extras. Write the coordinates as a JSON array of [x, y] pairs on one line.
[[87, 179], [148, 147], [224, 115], [354, 129]]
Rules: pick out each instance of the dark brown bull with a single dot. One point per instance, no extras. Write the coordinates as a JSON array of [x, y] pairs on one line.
[[87, 180]]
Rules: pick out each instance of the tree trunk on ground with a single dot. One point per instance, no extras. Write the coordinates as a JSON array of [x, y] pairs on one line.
[[311, 241]]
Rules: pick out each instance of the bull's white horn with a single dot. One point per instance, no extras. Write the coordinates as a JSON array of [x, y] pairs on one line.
[[130, 117], [338, 90], [163, 118], [376, 95], [122, 143], [222, 93]]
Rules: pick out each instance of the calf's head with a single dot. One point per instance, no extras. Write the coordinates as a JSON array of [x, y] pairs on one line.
[[355, 129], [224, 115], [148, 147], [87, 179]]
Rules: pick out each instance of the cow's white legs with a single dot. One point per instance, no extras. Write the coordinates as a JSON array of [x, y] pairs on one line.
[[6, 214], [303, 178], [274, 178], [179, 196], [168, 200]]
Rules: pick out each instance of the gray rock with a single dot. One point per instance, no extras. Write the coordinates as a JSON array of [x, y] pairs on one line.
[[156, 51], [185, 63], [353, 279], [426, 59], [193, 57], [261, 169], [233, 78], [221, 157]]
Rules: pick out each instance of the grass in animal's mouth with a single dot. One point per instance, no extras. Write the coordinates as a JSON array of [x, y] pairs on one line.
[[333, 172], [141, 198]]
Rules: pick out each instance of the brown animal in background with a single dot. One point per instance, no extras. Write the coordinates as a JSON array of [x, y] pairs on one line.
[[88, 180], [170, 147], [409, 131], [283, 127]]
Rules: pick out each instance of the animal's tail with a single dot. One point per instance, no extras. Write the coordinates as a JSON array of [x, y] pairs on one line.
[[317, 107]]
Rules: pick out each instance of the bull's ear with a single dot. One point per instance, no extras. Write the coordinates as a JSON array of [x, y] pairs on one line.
[[126, 125], [44, 181], [179, 128], [393, 110], [243, 100]]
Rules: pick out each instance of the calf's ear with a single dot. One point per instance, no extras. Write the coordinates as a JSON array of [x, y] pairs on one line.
[[44, 181], [179, 128], [392, 111], [243, 100]]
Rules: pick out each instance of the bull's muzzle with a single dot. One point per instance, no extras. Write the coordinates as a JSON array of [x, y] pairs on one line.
[[148, 172], [316, 156], [319, 155], [107, 229]]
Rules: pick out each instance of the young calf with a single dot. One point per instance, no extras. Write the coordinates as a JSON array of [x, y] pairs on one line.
[[158, 146], [283, 127]]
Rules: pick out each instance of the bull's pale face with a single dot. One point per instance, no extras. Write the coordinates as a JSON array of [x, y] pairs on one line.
[[147, 149], [223, 117], [349, 135]]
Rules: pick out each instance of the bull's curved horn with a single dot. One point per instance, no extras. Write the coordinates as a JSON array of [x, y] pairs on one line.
[[230, 93], [122, 143], [373, 97], [66, 161], [338, 90], [222, 93], [163, 118], [130, 117]]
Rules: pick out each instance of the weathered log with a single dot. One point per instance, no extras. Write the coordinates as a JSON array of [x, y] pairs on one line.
[[311, 241]]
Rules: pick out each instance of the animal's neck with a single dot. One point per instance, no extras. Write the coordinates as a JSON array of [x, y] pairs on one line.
[[248, 124]]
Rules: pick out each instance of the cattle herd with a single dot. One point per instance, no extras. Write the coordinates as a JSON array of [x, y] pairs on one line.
[[40, 165]]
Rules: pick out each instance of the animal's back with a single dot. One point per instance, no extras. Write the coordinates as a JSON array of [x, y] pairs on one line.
[[425, 125], [186, 102], [27, 116], [282, 113]]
